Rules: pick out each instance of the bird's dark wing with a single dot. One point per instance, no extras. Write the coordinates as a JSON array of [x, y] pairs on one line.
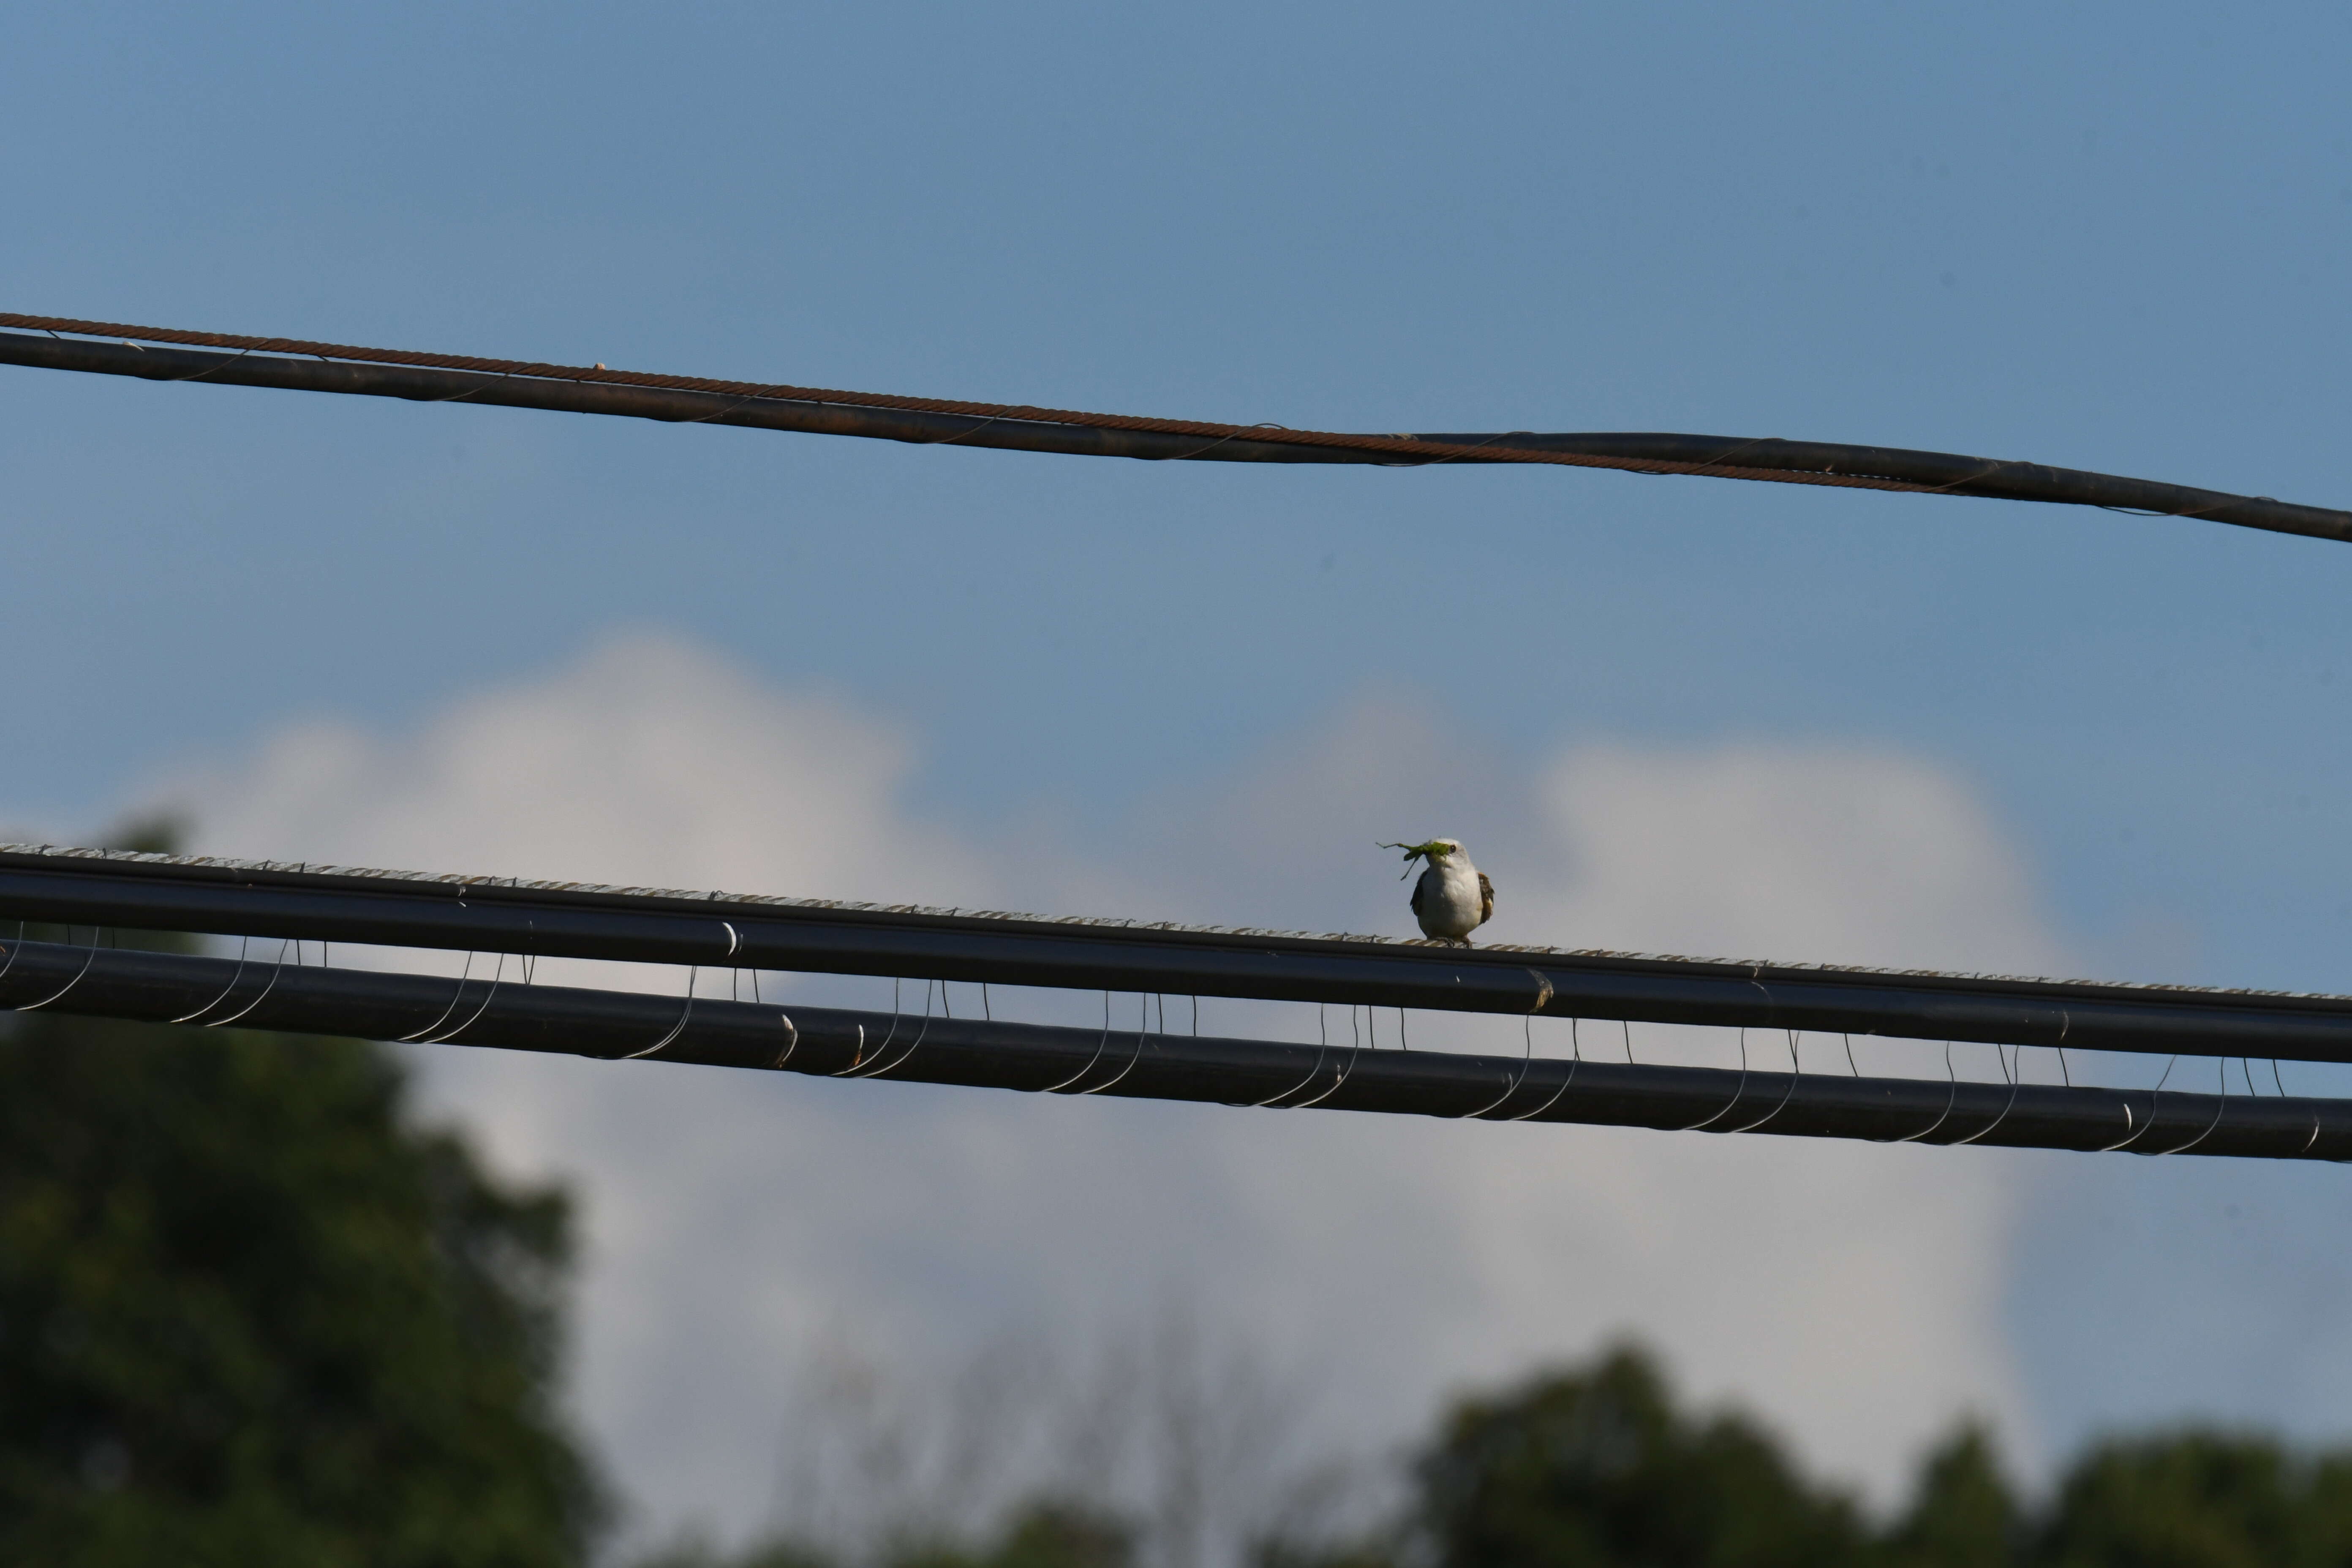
[[1418, 883], [1485, 898]]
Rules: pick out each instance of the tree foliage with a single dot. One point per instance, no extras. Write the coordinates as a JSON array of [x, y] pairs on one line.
[[2201, 1500], [1964, 1514], [248, 1315], [1596, 1469], [1044, 1533]]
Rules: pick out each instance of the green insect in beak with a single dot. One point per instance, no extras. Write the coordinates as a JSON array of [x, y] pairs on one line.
[[1435, 850]]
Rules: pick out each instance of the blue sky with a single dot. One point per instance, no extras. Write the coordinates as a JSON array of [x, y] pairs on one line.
[[2101, 235]]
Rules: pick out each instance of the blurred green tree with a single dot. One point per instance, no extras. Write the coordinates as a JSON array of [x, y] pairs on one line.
[[1597, 1469], [1963, 1513], [2201, 1499], [1059, 1534], [1043, 1533], [693, 1550], [249, 1315]]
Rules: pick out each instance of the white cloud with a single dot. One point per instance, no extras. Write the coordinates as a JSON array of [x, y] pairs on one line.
[[647, 762], [1787, 852], [1852, 1294]]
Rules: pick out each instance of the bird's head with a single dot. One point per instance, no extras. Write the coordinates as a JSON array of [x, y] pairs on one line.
[[1434, 852]]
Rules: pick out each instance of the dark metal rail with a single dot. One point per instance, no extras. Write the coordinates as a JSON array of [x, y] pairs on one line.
[[375, 373], [1136, 1063], [227, 898]]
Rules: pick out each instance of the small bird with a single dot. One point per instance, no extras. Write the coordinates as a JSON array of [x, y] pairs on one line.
[[1453, 898]]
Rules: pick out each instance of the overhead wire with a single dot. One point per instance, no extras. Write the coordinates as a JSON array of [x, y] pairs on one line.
[[114, 347]]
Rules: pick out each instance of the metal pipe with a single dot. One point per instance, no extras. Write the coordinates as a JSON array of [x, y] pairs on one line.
[[157, 987], [1729, 457], [224, 897]]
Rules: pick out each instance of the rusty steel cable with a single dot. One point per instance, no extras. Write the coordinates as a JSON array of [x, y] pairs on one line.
[[294, 362], [1411, 451]]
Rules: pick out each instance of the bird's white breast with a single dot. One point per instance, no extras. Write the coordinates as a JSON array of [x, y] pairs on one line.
[[1450, 904]]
